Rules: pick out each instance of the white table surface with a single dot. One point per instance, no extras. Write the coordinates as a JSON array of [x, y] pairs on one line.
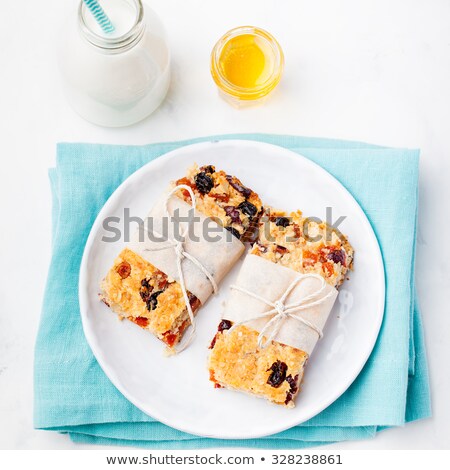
[[372, 70]]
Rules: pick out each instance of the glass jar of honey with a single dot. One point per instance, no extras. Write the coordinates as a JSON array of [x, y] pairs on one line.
[[246, 65]]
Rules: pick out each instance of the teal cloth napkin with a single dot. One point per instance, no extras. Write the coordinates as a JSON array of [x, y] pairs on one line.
[[74, 396]]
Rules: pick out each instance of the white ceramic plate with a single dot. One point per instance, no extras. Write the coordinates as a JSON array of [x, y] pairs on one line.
[[177, 390]]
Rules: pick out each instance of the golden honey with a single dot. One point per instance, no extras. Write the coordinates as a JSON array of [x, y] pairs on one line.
[[247, 63]]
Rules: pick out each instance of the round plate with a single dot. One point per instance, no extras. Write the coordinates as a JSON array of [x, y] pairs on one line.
[[176, 390]]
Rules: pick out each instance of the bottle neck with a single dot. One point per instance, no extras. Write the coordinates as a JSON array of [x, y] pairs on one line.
[[113, 44]]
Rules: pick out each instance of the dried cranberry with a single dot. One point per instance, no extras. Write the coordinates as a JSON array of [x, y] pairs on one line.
[[203, 182], [233, 231], [152, 301], [248, 208], [236, 184], [141, 321], [278, 375], [232, 212], [282, 221], [224, 325], [124, 269], [337, 256]]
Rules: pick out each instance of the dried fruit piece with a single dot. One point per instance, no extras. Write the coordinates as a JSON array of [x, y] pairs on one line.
[[282, 221], [220, 197], [152, 301], [203, 182], [278, 375], [124, 269], [328, 268], [337, 256], [224, 325], [248, 208], [237, 185], [293, 382], [194, 302], [281, 249], [233, 213], [141, 321]]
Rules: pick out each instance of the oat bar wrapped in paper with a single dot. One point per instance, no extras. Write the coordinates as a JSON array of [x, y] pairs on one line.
[[168, 270], [278, 307]]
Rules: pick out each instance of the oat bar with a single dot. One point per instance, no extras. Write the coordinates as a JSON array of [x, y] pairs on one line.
[[276, 372], [137, 290]]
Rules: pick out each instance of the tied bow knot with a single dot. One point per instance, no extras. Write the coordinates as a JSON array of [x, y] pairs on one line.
[[280, 308], [281, 312]]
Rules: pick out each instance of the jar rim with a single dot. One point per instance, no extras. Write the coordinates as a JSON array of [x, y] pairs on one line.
[[245, 92], [114, 44]]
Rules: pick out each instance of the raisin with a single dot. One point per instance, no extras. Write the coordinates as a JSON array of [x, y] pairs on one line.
[[224, 325], [282, 221], [297, 231], [233, 231], [337, 256], [124, 269], [152, 301], [288, 398], [145, 290], [233, 213], [278, 375], [203, 182], [248, 208], [236, 184], [208, 169], [292, 381]]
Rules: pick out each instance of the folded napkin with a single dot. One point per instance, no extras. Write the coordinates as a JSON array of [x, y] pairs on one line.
[[74, 396]]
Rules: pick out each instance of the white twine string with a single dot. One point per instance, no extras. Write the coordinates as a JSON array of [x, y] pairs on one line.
[[282, 312], [181, 253]]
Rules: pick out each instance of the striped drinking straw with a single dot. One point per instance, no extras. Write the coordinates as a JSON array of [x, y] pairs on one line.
[[100, 16]]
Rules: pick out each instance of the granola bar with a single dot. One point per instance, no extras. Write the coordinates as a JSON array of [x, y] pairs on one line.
[[152, 298], [276, 371]]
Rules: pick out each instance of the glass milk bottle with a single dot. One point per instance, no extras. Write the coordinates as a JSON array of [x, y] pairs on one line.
[[115, 79]]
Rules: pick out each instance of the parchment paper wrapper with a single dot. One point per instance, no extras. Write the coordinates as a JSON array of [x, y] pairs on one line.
[[270, 281], [216, 249]]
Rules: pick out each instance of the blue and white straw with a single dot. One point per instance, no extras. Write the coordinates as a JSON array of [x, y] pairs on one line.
[[100, 16]]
